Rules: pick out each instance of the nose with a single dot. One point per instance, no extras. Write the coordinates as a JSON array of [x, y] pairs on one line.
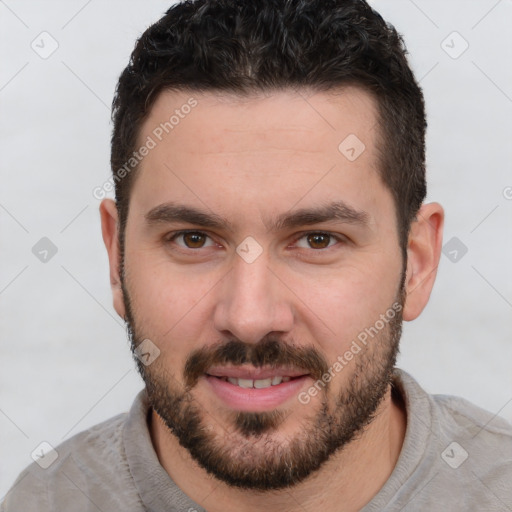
[[252, 302]]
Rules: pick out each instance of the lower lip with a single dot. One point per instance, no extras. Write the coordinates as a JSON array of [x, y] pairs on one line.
[[252, 399]]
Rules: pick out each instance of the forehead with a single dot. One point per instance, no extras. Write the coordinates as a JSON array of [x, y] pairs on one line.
[[270, 150], [220, 119]]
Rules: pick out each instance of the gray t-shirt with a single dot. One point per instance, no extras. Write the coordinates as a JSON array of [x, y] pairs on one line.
[[455, 457]]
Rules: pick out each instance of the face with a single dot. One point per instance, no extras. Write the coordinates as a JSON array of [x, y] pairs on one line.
[[262, 260]]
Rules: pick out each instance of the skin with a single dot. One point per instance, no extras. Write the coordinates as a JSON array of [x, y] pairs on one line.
[[249, 160]]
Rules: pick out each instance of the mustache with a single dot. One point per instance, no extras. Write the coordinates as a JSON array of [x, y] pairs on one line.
[[269, 353]]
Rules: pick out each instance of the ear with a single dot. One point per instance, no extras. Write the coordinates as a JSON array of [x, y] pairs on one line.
[[110, 232], [423, 253]]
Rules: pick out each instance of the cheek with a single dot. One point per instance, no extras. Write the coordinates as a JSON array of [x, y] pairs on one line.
[[168, 303], [338, 306]]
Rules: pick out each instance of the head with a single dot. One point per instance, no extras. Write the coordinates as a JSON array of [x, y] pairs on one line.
[[287, 138]]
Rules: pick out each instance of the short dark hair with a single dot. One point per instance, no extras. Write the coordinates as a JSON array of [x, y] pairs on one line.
[[242, 46]]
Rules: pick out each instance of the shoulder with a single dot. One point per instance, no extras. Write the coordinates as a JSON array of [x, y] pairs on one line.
[[478, 434], [89, 467], [473, 420], [462, 451], [455, 418], [454, 414]]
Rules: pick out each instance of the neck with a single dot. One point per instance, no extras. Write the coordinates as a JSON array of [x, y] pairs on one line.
[[346, 482]]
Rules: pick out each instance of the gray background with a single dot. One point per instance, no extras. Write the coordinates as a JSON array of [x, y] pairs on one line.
[[64, 358]]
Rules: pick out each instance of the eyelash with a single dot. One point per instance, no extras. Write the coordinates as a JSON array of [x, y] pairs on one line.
[[172, 236]]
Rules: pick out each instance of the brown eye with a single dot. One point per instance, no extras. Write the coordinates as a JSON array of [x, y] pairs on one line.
[[191, 240], [194, 240], [318, 240]]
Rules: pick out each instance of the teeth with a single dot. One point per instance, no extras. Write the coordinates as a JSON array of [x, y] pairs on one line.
[[257, 383], [245, 383], [263, 383]]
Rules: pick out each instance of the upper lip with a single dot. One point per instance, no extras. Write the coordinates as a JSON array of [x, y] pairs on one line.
[[240, 372]]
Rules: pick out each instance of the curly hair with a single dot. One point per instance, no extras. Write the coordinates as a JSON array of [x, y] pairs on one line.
[[245, 46]]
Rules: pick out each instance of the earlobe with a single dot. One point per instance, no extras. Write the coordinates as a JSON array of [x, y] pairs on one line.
[[110, 233], [423, 253]]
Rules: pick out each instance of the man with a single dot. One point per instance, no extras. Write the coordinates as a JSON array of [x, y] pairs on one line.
[[268, 238]]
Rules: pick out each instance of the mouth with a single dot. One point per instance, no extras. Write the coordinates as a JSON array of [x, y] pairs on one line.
[[256, 383], [255, 389]]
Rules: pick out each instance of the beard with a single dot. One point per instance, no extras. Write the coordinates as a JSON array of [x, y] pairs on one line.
[[251, 453]]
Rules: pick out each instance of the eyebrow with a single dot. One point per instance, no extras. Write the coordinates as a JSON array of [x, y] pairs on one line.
[[335, 211]]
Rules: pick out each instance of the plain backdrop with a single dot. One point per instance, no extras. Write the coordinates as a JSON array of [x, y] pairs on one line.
[[65, 362]]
